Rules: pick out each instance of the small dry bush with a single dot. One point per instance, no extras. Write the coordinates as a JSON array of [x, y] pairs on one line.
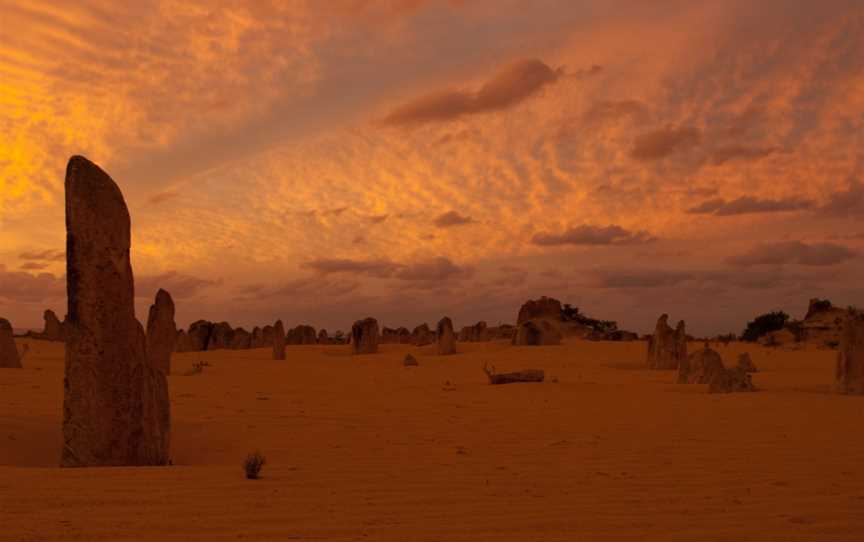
[[253, 464]]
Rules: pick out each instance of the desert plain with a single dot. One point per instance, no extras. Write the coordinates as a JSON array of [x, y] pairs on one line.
[[359, 447]]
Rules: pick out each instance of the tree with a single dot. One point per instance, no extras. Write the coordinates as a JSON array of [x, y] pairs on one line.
[[764, 324]]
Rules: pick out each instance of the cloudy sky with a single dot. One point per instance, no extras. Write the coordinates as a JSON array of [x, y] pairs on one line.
[[324, 161]]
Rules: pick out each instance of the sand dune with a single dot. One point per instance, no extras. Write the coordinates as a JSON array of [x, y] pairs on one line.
[[360, 448]]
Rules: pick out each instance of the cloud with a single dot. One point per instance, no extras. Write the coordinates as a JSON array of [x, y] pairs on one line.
[[750, 205], [849, 202], [372, 268], [593, 235], [609, 111], [793, 252], [17, 286], [438, 269], [162, 197], [509, 86], [377, 219], [48, 255], [730, 153], [434, 269], [450, 219], [177, 284], [661, 143], [34, 266]]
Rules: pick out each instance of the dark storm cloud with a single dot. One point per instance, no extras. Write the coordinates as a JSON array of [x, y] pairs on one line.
[[452, 218], [511, 85], [793, 252], [661, 143], [593, 235]]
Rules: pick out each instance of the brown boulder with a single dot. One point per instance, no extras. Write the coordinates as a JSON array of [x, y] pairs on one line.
[[278, 340], [364, 336], [537, 333], [115, 407], [9, 358], [410, 361], [667, 348], [850, 357], [161, 332], [700, 367], [446, 337], [323, 338], [545, 308]]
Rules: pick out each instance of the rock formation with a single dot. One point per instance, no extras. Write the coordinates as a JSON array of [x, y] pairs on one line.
[[54, 330], [745, 363], [364, 336], [850, 358], [446, 337], [537, 333], [161, 332], [115, 407], [323, 338], [474, 334], [700, 367], [302, 334], [240, 339], [503, 332], [545, 308], [410, 361], [400, 335], [422, 335], [278, 340], [221, 336], [199, 335], [183, 343], [823, 324], [667, 348], [731, 381], [9, 358]]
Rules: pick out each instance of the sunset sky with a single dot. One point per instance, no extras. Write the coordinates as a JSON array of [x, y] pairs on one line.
[[323, 161]]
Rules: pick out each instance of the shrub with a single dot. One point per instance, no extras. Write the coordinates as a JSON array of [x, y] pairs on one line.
[[253, 464], [764, 324]]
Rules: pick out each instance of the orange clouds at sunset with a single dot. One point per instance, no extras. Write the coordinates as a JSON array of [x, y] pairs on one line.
[[323, 161]]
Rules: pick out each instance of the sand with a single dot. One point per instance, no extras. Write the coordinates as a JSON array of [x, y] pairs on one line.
[[362, 448]]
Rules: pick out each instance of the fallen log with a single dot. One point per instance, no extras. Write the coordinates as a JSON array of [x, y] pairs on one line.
[[525, 375]]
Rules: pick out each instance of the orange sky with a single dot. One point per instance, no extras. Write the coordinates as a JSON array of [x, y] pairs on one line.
[[325, 161]]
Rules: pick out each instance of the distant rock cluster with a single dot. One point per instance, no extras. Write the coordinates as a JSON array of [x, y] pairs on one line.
[[667, 348]]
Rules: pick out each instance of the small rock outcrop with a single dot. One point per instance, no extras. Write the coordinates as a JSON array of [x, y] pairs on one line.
[[115, 405], [700, 367], [410, 361], [446, 337], [54, 330], [364, 336], [667, 348], [823, 324], [539, 332], [199, 335], [278, 340], [323, 338], [850, 357], [9, 358], [161, 332]]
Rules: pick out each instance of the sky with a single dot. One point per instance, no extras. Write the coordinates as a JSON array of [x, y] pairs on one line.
[[321, 162]]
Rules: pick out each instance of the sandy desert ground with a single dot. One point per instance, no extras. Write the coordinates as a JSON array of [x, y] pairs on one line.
[[361, 448]]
